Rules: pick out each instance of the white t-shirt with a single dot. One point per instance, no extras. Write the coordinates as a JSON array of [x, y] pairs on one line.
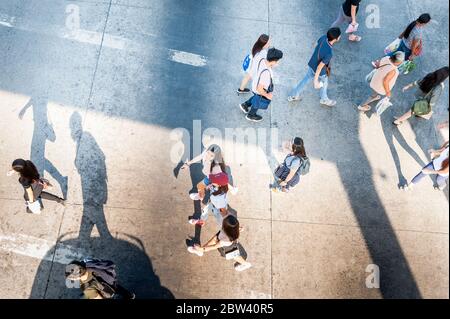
[[219, 201], [255, 61], [265, 79], [437, 162]]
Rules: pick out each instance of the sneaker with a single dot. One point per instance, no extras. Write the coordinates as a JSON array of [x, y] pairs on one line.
[[195, 196], [199, 222], [328, 102], [244, 108], [244, 91], [408, 187], [192, 250], [254, 118], [242, 267], [293, 98]]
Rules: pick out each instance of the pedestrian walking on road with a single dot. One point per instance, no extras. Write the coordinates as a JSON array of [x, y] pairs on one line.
[[218, 201], [347, 14], [409, 42], [33, 185], [438, 166], [226, 238], [97, 279], [382, 80], [296, 163], [259, 51], [429, 90], [319, 68], [262, 86]]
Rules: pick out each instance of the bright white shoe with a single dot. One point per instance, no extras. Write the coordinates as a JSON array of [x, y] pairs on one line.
[[242, 267], [328, 102], [195, 196], [192, 250]]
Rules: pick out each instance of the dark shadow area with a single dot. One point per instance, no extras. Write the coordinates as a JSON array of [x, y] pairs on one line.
[[43, 132], [134, 268]]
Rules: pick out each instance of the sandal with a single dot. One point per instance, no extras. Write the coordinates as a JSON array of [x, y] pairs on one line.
[[364, 108], [354, 38]]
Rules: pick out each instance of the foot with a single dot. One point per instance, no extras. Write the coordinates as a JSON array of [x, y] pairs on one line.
[[242, 267], [199, 222], [193, 250], [293, 98], [244, 91], [254, 118], [408, 187], [244, 108], [328, 102], [354, 38], [234, 190], [364, 108], [285, 190], [195, 196], [439, 188]]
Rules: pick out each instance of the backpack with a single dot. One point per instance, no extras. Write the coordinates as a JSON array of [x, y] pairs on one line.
[[304, 166], [105, 277]]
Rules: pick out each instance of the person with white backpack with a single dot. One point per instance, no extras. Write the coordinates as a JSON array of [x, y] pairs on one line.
[[382, 80], [33, 185], [259, 52]]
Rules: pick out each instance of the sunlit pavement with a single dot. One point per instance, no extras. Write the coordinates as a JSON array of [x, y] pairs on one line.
[[99, 104]]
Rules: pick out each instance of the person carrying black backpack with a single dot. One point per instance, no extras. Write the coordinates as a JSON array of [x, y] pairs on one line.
[[97, 279], [296, 163]]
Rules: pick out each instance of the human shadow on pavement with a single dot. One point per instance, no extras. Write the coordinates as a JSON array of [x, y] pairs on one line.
[[43, 132], [134, 267], [90, 164]]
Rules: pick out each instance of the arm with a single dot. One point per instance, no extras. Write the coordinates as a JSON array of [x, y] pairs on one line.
[[411, 85], [262, 92], [353, 11], [288, 178], [387, 81], [194, 160], [212, 244], [317, 75], [414, 46], [435, 153]]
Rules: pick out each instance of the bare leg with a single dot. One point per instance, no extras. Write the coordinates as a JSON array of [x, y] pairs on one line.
[[245, 81], [365, 106], [403, 118]]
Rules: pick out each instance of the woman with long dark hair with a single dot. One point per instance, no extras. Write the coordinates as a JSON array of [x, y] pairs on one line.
[[227, 239], [411, 39], [32, 183], [429, 89], [259, 51], [296, 163], [438, 166]]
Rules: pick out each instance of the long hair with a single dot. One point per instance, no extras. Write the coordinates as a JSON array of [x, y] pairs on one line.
[[424, 19], [431, 80], [298, 147], [222, 165], [231, 227], [221, 190], [445, 164], [26, 169], [259, 45]]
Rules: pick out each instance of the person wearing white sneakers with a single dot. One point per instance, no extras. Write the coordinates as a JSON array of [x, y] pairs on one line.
[[33, 184], [438, 166], [347, 13], [226, 238], [319, 68]]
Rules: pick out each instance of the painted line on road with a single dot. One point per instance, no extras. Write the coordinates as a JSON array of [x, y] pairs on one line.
[[39, 248], [110, 41]]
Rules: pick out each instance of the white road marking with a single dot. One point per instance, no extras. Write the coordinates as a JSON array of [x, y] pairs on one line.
[[110, 41], [187, 58], [39, 248]]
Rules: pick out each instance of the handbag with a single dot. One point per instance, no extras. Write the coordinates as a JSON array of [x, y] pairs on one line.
[[422, 106], [259, 101], [383, 105], [246, 63], [233, 252], [393, 46]]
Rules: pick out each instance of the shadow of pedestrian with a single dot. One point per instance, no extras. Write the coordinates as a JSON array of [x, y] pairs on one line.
[[43, 132]]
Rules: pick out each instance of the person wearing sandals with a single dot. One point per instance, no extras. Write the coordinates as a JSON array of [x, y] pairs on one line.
[[429, 89], [218, 201], [438, 166], [226, 238], [383, 79], [259, 52], [33, 184], [347, 14], [296, 163]]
